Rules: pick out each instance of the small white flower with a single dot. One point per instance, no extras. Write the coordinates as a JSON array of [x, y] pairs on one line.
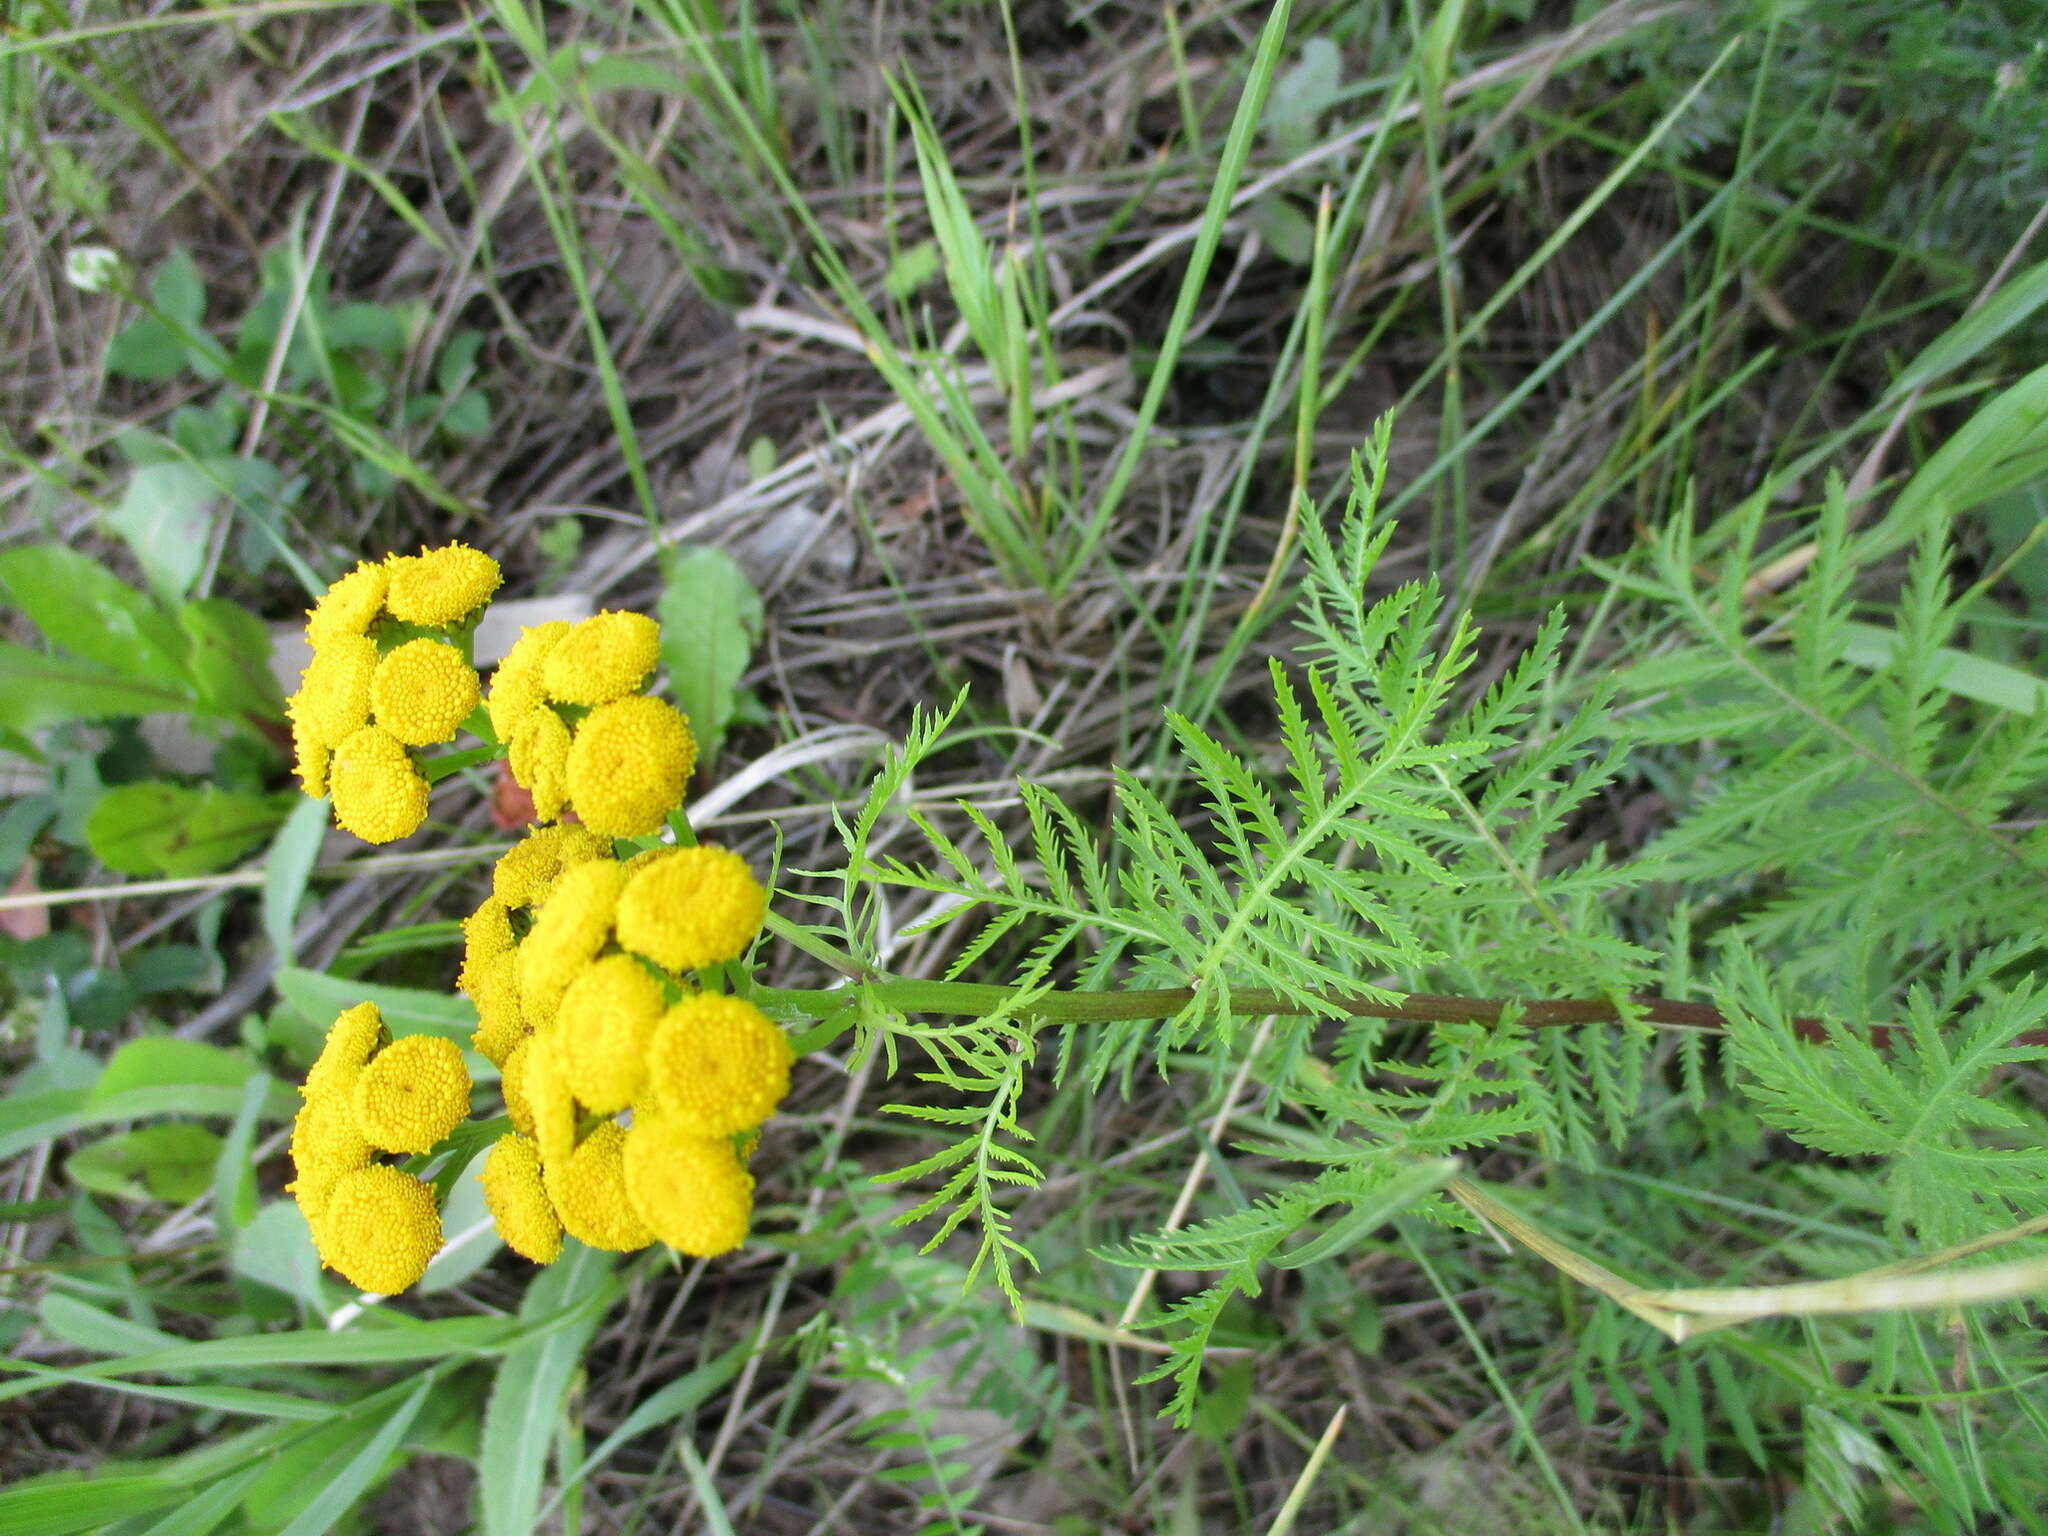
[[91, 268]]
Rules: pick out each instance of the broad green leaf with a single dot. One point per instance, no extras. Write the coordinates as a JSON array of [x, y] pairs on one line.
[[97, 1331], [332, 1500], [172, 1162], [407, 1010], [29, 1119], [276, 1249], [162, 1061], [1973, 677], [1303, 95], [38, 690], [147, 349], [533, 1383], [229, 659], [164, 516], [710, 621], [178, 290], [156, 827], [86, 609], [62, 1505], [286, 871], [208, 1509]]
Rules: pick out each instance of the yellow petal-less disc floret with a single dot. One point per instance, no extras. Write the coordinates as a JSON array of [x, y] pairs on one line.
[[695, 908], [628, 765], [512, 1083], [691, 1191], [601, 1032], [589, 1192], [567, 933], [325, 1145], [540, 760], [440, 586], [605, 657], [378, 794], [516, 686], [520, 1208], [501, 1023], [422, 692], [549, 1103], [333, 701], [310, 757], [486, 934], [716, 1065], [348, 606], [525, 876], [379, 1230], [353, 1037], [412, 1094]]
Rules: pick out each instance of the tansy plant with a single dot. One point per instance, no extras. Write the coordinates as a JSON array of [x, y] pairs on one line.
[[1432, 983], [587, 970]]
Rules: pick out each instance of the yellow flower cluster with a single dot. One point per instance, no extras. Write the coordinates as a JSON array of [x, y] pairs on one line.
[[625, 757], [585, 1013], [374, 688], [374, 1223]]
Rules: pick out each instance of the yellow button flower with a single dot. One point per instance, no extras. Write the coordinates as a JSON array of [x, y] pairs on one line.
[[486, 934], [379, 1229], [568, 932], [333, 701], [353, 1037], [516, 686], [349, 606], [589, 1192], [325, 1145], [540, 760], [309, 759], [512, 1083], [605, 657], [520, 1208], [440, 586], [412, 1094], [422, 692], [695, 908], [378, 794], [526, 874], [602, 1029], [549, 1103], [716, 1065], [628, 764], [690, 1190]]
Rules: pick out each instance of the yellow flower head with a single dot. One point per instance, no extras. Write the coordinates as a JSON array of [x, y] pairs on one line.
[[423, 691], [352, 1039], [325, 1145], [605, 657], [540, 760], [695, 908], [349, 606], [486, 935], [412, 1094], [601, 1032], [333, 701], [526, 875], [516, 686], [628, 764], [648, 856], [520, 1208], [568, 932], [512, 1083], [550, 1105], [589, 1192], [690, 1190], [309, 759], [440, 586], [379, 1229], [500, 1021], [716, 1065], [378, 794]]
